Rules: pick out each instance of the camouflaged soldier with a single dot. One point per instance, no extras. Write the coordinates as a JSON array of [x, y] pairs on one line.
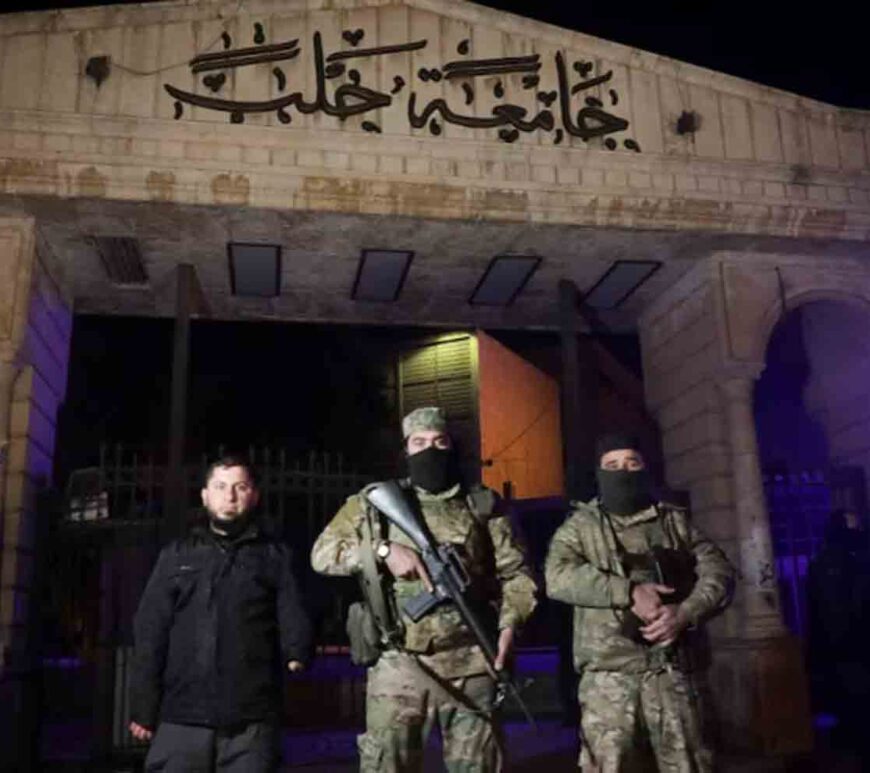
[[431, 672], [642, 580]]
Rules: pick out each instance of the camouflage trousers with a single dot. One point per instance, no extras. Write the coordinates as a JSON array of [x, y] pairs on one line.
[[629, 719], [404, 703]]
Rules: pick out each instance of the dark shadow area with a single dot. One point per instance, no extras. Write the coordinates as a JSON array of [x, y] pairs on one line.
[[317, 408], [295, 387], [812, 479]]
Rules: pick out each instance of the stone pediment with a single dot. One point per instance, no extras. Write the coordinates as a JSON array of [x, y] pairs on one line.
[[428, 108], [409, 72], [434, 69]]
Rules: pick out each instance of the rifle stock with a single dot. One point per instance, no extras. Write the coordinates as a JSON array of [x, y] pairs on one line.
[[448, 575]]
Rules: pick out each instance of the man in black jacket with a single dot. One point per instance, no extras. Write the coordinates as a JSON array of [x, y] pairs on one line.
[[219, 621]]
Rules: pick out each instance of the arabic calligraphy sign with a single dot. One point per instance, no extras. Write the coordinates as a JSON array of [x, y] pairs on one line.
[[580, 106]]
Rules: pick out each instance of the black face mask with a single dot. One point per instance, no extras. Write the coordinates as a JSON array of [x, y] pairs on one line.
[[433, 470], [624, 492]]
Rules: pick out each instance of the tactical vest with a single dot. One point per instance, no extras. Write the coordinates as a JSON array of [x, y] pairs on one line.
[[374, 624]]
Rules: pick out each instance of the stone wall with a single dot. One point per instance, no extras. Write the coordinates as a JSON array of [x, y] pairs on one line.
[[35, 325], [710, 330], [761, 161], [704, 343], [36, 357], [681, 357], [701, 398]]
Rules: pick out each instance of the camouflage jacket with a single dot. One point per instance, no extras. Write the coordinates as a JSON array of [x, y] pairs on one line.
[[583, 568], [490, 553]]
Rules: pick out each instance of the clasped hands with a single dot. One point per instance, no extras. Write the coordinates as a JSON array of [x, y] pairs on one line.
[[663, 622]]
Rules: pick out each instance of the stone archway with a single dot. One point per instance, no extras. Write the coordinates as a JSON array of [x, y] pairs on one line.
[[756, 290], [798, 297], [833, 326], [703, 342], [811, 422], [838, 338]]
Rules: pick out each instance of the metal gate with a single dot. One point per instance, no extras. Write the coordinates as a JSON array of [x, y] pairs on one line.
[[799, 504], [101, 542]]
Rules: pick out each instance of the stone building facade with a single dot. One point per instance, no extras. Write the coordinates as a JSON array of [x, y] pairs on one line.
[[459, 133]]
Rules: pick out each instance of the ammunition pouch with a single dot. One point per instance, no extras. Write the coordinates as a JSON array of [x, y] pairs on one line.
[[365, 638], [372, 624]]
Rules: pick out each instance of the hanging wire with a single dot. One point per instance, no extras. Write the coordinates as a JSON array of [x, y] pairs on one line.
[[144, 73]]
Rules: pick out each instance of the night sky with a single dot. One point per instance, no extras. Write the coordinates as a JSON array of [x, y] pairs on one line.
[[816, 50]]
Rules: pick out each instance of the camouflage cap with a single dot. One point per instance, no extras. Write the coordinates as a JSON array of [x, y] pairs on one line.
[[429, 418]]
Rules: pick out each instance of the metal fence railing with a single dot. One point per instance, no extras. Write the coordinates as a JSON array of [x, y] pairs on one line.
[[103, 539], [799, 504], [101, 545]]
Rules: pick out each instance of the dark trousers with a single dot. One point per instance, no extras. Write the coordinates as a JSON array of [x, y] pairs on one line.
[[253, 748]]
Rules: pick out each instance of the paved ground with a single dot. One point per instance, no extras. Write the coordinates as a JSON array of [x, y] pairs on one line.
[[552, 749]]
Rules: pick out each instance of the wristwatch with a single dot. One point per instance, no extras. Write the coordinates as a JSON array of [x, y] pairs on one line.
[[382, 550]]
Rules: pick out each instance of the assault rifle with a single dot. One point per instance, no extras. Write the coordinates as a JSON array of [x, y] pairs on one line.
[[665, 566], [449, 578]]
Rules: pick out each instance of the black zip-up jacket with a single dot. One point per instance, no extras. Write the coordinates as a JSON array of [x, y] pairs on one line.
[[215, 628]]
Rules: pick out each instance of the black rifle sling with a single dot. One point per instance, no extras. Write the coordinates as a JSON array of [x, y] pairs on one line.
[[372, 580], [481, 501]]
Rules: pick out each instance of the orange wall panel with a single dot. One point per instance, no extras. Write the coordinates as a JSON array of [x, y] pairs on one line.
[[519, 423]]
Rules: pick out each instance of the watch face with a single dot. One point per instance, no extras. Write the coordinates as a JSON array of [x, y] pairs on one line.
[[383, 550]]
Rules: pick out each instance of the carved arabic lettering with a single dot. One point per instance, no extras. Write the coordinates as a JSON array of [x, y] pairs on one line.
[[590, 119]]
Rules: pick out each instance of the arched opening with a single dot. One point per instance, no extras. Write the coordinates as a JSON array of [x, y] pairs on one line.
[[813, 423]]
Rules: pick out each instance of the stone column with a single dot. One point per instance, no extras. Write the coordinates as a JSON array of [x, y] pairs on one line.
[[35, 329], [17, 707], [7, 378], [762, 617], [16, 265], [8, 371], [759, 677]]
